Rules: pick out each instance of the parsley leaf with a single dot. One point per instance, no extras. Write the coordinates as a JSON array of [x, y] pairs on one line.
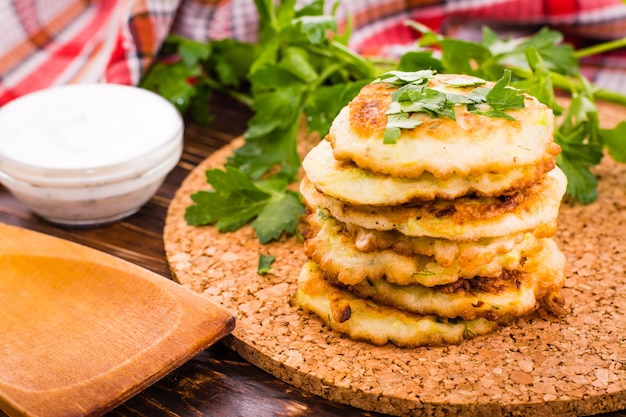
[[540, 85], [281, 214], [459, 56], [502, 97], [395, 122], [265, 264], [462, 81], [191, 70], [558, 56], [325, 102], [174, 81], [615, 141], [414, 99], [405, 77], [419, 59], [499, 98], [413, 96], [235, 200], [580, 181]]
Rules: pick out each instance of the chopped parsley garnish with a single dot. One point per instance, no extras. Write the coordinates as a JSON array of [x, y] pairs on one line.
[[462, 81], [500, 98], [265, 264], [413, 96]]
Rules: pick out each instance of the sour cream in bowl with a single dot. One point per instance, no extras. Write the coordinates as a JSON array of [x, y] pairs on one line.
[[88, 154]]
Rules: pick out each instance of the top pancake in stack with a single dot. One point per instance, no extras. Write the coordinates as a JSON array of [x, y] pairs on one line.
[[460, 155], [446, 227]]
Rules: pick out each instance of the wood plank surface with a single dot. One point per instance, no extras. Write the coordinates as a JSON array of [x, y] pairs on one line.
[[217, 382]]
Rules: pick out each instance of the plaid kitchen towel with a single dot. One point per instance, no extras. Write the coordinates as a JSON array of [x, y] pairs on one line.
[[51, 42]]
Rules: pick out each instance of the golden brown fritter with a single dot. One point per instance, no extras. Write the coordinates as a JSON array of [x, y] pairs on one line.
[[363, 319], [471, 145], [468, 254], [462, 220], [357, 186], [331, 246], [512, 294]]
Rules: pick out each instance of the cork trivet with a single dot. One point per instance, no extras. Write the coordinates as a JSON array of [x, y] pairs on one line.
[[539, 365]]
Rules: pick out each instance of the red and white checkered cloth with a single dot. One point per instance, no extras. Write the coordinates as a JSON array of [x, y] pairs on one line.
[[52, 42]]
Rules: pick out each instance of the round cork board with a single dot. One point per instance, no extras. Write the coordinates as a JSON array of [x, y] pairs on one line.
[[539, 365]]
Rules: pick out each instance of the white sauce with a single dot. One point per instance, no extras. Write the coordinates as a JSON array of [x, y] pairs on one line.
[[88, 154], [85, 126]]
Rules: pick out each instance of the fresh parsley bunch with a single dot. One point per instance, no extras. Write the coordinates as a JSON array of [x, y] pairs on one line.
[[188, 73], [300, 67], [303, 67]]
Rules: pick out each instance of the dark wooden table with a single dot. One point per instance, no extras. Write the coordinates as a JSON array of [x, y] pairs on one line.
[[217, 382]]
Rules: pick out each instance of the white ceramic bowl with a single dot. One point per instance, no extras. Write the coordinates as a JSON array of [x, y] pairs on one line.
[[88, 154]]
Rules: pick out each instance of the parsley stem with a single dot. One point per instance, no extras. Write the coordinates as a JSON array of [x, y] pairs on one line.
[[612, 96], [240, 96], [561, 82], [600, 48], [382, 65], [347, 55]]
